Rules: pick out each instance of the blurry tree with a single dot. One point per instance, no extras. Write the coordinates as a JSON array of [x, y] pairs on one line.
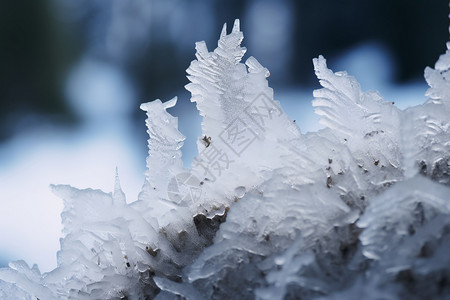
[[414, 31], [34, 57], [152, 42]]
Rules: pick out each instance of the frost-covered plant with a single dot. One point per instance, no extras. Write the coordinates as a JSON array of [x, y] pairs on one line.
[[358, 210]]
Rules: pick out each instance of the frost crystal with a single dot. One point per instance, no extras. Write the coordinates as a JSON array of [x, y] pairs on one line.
[[427, 130], [357, 210], [362, 120], [164, 155]]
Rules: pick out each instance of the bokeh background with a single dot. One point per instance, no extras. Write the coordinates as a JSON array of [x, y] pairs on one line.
[[73, 73]]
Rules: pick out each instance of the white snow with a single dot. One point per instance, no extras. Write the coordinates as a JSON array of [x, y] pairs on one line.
[[356, 209]]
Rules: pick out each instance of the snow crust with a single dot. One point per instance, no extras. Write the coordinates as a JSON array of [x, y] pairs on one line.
[[359, 209]]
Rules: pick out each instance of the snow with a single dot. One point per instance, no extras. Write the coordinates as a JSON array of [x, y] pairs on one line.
[[356, 209]]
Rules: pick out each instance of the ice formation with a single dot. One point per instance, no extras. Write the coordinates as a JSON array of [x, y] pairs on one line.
[[358, 210]]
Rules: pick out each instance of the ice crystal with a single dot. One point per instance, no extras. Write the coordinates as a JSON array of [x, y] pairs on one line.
[[427, 131], [359, 209]]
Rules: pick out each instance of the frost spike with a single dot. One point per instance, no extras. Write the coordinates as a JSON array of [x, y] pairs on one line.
[[236, 26], [170, 103], [224, 30], [118, 195], [254, 66], [201, 49], [164, 143]]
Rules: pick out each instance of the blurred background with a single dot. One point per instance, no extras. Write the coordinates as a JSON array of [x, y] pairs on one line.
[[73, 73]]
